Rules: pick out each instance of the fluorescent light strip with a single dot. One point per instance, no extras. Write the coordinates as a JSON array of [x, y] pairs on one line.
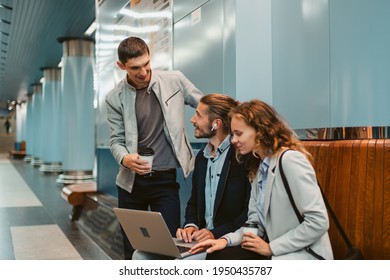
[[144, 29], [130, 13], [91, 29], [5, 7]]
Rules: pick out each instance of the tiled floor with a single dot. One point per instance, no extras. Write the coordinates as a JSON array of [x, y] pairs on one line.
[[34, 245], [34, 218]]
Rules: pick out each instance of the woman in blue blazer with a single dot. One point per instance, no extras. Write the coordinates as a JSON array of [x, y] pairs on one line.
[[260, 135]]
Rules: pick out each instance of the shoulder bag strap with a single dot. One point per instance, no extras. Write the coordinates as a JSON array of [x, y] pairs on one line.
[[299, 216], [330, 210], [335, 220]]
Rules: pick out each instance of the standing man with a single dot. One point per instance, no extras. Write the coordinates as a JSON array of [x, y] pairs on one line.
[[220, 185], [146, 109], [7, 125]]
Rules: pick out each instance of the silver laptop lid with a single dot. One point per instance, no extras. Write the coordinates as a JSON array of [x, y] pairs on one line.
[[147, 231]]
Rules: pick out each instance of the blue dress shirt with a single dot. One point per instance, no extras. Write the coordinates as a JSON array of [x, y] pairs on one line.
[[262, 186], [214, 168]]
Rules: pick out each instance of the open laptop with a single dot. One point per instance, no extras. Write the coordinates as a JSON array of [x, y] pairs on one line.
[[148, 232]]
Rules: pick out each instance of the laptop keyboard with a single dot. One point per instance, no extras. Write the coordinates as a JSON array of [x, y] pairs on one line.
[[183, 249]]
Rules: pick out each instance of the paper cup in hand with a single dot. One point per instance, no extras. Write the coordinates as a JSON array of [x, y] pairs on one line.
[[146, 153]]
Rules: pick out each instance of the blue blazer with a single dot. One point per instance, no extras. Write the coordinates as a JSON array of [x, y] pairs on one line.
[[232, 198]]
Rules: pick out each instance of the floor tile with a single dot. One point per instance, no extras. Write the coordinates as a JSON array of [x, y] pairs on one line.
[[42, 242], [14, 190]]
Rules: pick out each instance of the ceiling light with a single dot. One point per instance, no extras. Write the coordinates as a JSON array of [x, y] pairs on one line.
[[5, 7], [5, 21], [90, 29], [162, 14], [142, 29]]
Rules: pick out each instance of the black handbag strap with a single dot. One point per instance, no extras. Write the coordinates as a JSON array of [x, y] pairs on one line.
[[330, 210], [335, 220], [299, 216]]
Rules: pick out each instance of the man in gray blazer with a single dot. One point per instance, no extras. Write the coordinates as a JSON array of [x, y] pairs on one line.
[[146, 109]]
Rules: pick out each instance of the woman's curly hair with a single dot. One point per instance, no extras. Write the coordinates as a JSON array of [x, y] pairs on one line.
[[272, 132]]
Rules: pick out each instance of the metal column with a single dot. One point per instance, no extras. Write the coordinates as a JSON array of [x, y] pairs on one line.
[[78, 120], [29, 128], [37, 124], [51, 120]]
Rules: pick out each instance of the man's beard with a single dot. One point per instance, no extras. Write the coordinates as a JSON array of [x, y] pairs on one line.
[[207, 135]]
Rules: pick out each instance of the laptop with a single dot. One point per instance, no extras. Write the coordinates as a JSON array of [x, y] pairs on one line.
[[148, 232]]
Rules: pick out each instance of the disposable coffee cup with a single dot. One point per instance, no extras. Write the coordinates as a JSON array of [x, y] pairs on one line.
[[146, 153], [250, 227]]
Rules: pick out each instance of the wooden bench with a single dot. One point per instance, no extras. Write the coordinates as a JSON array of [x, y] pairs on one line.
[[20, 153], [355, 177], [75, 195], [17, 154]]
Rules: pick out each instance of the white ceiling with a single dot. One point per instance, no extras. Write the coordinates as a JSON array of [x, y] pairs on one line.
[[29, 30]]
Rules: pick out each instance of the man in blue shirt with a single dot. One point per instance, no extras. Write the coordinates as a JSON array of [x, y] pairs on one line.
[[220, 186]]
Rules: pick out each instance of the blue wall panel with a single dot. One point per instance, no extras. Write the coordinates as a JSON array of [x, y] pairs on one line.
[[107, 168], [300, 55], [253, 50], [198, 51], [360, 62]]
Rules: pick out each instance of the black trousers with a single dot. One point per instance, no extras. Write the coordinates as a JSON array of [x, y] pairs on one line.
[[235, 253], [159, 193]]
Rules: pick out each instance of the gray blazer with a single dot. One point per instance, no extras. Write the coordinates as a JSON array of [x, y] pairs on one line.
[[289, 238], [173, 91]]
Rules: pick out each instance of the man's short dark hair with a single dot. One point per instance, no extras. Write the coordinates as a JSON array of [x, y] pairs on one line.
[[131, 47]]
